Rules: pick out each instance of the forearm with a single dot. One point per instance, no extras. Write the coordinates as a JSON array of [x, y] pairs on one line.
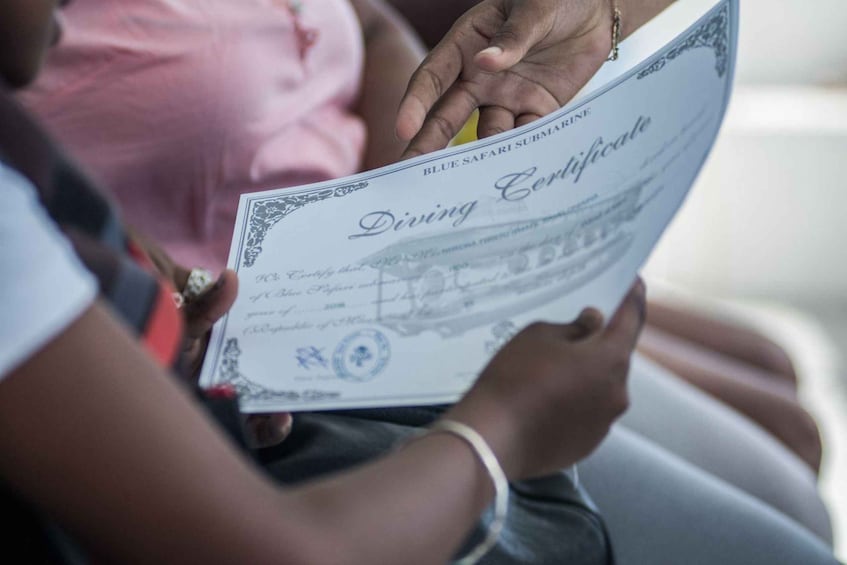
[[636, 13], [125, 461], [98, 436], [432, 18], [414, 506], [393, 52]]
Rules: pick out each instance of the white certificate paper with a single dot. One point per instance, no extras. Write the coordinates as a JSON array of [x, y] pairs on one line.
[[396, 286]]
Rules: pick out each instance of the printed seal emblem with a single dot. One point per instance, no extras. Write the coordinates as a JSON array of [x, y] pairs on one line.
[[361, 356]]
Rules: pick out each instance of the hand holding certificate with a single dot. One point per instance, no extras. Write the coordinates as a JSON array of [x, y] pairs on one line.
[[394, 287], [550, 48]]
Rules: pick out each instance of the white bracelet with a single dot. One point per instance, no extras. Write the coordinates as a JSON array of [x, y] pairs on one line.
[[498, 477]]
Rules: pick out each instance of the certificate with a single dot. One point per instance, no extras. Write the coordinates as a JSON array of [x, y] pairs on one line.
[[396, 286]]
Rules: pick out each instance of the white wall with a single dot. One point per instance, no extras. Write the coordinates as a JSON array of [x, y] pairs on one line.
[[768, 216], [798, 41]]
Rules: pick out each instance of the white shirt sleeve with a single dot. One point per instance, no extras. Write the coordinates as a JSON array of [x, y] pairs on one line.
[[43, 285]]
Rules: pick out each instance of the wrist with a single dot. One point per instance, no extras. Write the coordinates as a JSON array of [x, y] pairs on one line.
[[636, 13], [488, 460], [493, 421]]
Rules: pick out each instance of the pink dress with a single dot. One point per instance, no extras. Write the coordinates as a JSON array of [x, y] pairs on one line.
[[179, 106]]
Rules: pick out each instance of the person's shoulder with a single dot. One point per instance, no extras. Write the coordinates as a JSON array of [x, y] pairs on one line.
[[18, 202], [12, 180], [43, 285], [21, 213]]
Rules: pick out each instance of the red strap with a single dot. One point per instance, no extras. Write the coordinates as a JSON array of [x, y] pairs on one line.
[[163, 334], [164, 331]]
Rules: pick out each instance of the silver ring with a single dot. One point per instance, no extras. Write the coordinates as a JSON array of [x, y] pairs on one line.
[[179, 299], [199, 281]]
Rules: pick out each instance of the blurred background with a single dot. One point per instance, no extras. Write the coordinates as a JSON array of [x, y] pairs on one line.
[[763, 235]]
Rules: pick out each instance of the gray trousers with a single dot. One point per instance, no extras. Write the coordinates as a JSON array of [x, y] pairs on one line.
[[684, 480]]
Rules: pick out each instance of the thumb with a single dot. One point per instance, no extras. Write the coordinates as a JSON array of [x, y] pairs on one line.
[[202, 313], [268, 430], [523, 29], [589, 322]]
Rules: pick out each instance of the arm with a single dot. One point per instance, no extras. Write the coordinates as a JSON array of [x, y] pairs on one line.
[[639, 12], [514, 60], [132, 468], [143, 477], [393, 52]]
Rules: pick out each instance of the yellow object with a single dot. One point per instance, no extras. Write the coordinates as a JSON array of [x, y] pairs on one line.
[[468, 132]]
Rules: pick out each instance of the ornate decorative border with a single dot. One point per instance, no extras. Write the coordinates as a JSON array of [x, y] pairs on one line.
[[712, 34], [251, 392], [267, 213], [502, 332]]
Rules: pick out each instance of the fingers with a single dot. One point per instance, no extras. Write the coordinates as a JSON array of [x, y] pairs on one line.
[[494, 120], [267, 430], [524, 28], [626, 324], [202, 313], [180, 276], [524, 119], [589, 322], [430, 81], [443, 123], [167, 268]]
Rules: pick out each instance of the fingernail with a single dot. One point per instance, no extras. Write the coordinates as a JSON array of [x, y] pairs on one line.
[[271, 431], [261, 432], [494, 51], [286, 428], [590, 313], [590, 319]]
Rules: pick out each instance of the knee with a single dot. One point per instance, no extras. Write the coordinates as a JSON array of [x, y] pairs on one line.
[[803, 437], [773, 357]]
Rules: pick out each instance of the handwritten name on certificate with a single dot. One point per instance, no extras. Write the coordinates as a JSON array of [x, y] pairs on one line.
[[396, 286]]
